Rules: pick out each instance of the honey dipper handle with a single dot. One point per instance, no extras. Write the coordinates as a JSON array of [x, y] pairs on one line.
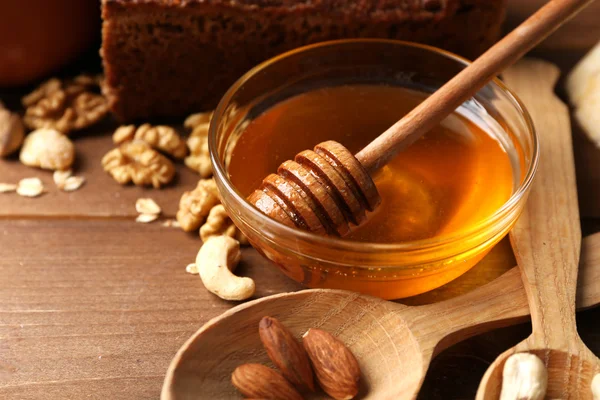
[[464, 85]]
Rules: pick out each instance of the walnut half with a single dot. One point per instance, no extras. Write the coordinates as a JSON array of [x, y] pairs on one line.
[[139, 163], [218, 223], [161, 137], [65, 106], [199, 159], [195, 205]]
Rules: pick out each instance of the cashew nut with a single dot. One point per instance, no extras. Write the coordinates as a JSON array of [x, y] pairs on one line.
[[524, 378], [216, 260], [596, 387]]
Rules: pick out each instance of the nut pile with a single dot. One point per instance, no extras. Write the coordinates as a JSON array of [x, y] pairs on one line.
[[53, 110], [125, 166], [201, 208], [195, 205], [321, 355], [138, 162], [144, 155]]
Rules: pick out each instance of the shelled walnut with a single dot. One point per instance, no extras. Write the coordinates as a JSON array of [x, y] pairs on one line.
[[161, 137], [199, 159], [139, 163], [65, 106], [218, 223], [195, 205]]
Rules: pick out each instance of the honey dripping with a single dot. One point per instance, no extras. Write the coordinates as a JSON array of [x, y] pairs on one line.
[[449, 180]]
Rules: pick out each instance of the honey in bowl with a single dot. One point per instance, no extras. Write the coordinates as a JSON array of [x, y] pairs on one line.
[[447, 199], [448, 181]]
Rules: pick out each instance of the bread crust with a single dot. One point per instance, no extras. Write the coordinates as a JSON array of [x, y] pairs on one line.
[[172, 57]]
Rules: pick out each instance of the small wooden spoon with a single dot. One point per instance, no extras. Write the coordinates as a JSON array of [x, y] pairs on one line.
[[546, 241], [328, 190], [393, 343]]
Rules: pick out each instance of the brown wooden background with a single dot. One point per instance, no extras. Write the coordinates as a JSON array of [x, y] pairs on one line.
[[93, 305]]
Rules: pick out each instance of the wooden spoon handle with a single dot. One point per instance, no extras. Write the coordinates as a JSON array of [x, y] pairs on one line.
[[499, 303], [547, 236], [456, 91]]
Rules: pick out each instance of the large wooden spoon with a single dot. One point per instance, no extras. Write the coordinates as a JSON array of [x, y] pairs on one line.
[[329, 190], [393, 343], [546, 241]]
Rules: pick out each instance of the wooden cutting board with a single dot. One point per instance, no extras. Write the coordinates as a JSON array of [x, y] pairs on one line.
[[93, 305]]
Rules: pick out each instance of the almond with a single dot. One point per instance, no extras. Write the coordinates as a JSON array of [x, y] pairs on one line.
[[335, 366], [258, 381], [286, 353]]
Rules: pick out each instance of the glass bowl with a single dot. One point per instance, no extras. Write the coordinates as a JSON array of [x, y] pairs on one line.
[[386, 270]]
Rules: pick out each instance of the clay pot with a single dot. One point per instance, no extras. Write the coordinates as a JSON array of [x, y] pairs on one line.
[[39, 36]]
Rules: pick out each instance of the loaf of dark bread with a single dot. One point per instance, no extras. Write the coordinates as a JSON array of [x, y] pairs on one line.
[[172, 57]]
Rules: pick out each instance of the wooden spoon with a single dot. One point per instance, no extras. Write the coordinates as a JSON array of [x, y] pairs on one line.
[[328, 190], [546, 241], [393, 343]]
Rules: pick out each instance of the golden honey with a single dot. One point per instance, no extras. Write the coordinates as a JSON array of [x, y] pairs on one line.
[[448, 181]]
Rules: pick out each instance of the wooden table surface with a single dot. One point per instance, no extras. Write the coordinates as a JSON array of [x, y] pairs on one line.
[[93, 305]]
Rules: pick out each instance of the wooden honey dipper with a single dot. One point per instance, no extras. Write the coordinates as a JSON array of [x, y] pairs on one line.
[[327, 190]]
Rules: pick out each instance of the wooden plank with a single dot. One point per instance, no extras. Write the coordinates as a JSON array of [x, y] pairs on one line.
[[96, 309], [103, 314], [101, 196], [114, 388], [98, 303], [103, 305]]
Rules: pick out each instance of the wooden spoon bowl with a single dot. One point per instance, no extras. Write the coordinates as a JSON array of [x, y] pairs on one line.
[[546, 241], [393, 343], [569, 375], [378, 336]]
